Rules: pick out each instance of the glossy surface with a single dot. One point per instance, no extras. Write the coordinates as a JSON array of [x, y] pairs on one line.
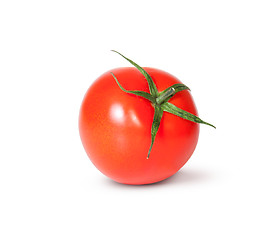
[[115, 128]]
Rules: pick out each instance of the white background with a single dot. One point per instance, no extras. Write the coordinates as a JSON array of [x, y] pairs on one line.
[[50, 53]]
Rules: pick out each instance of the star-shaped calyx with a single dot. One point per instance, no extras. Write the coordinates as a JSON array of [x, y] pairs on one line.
[[160, 101]]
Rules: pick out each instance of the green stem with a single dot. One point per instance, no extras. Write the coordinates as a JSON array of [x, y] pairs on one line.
[[166, 95]]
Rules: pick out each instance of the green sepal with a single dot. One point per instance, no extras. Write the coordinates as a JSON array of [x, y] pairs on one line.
[[169, 92], [160, 101], [169, 107], [143, 94], [155, 126], [152, 87]]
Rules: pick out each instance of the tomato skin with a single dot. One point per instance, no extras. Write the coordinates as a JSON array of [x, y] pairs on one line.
[[115, 128]]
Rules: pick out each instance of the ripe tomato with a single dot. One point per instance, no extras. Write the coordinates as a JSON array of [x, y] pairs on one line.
[[115, 128]]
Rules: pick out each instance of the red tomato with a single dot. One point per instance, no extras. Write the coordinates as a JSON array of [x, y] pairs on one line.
[[115, 128]]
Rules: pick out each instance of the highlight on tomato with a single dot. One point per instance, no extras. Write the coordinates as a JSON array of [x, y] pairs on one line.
[[138, 125]]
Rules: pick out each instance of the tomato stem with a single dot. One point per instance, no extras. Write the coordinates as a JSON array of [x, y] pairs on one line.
[[165, 96]]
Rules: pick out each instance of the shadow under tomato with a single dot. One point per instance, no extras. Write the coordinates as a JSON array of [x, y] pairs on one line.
[[186, 176], [182, 177]]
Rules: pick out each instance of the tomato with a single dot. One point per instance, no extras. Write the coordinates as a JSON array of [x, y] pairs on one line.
[[116, 126]]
